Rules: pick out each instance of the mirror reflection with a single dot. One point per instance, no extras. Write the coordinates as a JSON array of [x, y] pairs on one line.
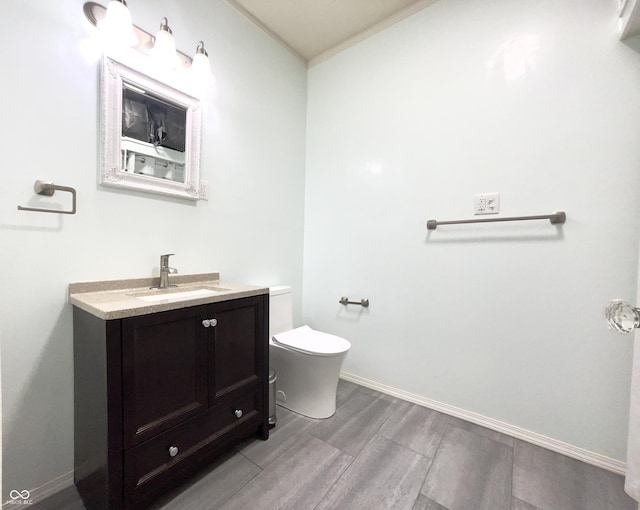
[[153, 135]]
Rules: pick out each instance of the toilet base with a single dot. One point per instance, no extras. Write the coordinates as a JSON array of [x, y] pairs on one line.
[[306, 415], [306, 384]]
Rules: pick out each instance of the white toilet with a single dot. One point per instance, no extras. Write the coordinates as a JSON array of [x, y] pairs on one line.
[[307, 362]]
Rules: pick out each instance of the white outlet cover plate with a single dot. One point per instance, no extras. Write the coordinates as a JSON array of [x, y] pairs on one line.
[[486, 203]]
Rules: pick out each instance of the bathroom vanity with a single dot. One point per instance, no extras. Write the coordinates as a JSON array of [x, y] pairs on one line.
[[165, 380]]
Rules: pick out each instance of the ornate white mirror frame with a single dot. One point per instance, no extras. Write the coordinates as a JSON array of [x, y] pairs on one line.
[[118, 169]]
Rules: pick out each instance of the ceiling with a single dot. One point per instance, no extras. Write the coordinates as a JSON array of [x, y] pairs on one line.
[[317, 29]]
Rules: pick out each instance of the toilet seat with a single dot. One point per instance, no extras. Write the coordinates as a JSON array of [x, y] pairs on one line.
[[309, 341]]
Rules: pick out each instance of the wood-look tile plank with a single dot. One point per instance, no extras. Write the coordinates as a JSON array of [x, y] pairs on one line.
[[416, 427], [297, 479], [424, 503], [518, 504], [355, 423], [66, 499], [380, 395], [548, 479], [212, 488], [344, 391], [289, 430], [483, 431], [470, 472], [384, 476]]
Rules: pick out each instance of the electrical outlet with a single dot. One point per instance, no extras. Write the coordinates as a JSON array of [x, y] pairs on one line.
[[486, 203]]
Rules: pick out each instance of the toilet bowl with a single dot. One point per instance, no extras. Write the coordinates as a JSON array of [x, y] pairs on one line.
[[307, 362]]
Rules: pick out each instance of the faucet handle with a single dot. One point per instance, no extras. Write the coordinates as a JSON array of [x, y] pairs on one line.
[[164, 259]]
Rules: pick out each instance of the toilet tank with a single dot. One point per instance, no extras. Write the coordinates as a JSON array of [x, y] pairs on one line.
[[280, 310]]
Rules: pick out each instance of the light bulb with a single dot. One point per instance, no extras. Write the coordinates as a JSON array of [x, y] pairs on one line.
[[117, 26], [201, 68], [164, 46]]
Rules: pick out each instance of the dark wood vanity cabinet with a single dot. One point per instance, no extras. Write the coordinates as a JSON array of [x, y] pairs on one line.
[[157, 396]]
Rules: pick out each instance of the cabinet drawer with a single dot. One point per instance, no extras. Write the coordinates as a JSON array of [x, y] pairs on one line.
[[153, 461]]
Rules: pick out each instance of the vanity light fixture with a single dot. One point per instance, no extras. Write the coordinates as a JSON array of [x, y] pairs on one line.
[[200, 67], [164, 46], [161, 47], [116, 24]]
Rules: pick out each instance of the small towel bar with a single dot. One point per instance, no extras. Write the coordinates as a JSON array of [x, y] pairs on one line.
[[345, 301]]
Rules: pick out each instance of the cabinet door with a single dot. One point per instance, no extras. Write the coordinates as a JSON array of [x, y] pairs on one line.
[[164, 371], [239, 355]]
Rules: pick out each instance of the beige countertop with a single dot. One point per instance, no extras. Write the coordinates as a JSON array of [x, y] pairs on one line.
[[117, 299]]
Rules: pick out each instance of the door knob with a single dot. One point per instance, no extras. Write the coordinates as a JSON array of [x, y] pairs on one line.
[[621, 316]]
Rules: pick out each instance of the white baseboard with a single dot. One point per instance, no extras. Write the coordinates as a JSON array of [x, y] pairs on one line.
[[41, 493], [549, 443]]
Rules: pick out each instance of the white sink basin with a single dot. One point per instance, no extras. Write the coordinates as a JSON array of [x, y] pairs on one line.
[[177, 295]]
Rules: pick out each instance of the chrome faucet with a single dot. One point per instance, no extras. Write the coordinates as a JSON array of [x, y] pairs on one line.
[[165, 271]]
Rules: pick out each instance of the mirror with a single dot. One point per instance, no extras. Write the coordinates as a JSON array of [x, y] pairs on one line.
[[150, 134]]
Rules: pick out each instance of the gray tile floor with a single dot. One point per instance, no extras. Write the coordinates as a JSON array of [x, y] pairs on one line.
[[380, 453]]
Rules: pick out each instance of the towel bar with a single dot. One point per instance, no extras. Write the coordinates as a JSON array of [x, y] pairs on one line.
[[345, 301], [555, 218]]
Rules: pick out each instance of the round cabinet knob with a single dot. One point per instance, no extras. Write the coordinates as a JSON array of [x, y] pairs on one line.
[[621, 316], [173, 451], [206, 323], [213, 322], [238, 413]]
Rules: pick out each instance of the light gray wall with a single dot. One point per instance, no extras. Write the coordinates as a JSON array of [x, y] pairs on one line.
[[504, 320], [250, 230]]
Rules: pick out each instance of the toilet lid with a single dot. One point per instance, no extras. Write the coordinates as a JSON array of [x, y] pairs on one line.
[[310, 341]]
